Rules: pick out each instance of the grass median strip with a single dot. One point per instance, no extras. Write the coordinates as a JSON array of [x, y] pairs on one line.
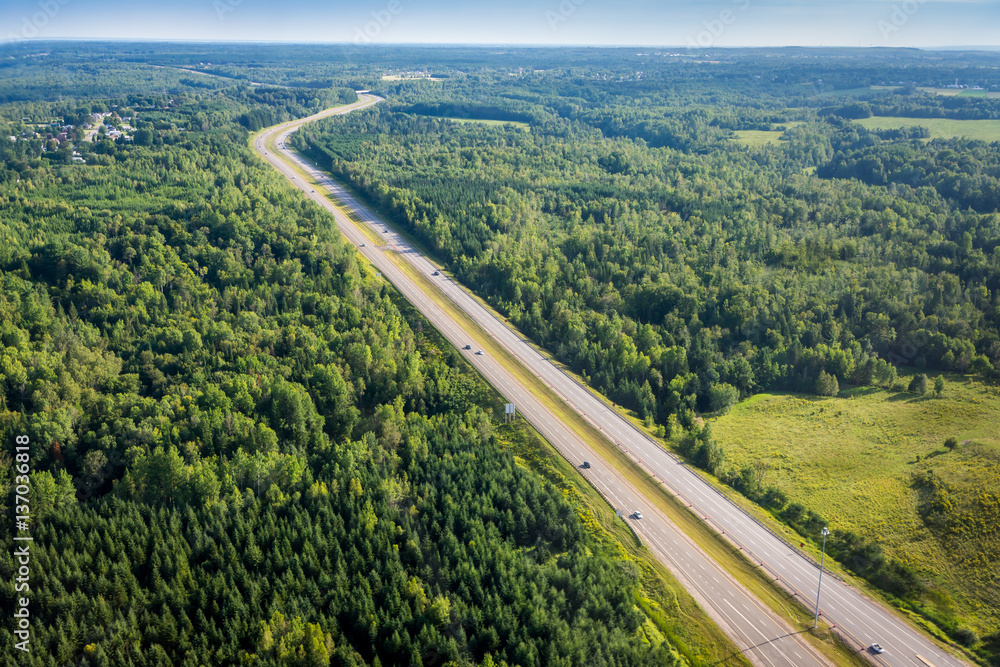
[[720, 550], [727, 556], [671, 612]]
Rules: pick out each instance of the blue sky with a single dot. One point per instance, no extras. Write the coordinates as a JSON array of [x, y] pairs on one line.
[[920, 23]]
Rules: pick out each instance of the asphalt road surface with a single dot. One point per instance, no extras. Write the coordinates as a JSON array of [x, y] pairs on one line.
[[764, 638]]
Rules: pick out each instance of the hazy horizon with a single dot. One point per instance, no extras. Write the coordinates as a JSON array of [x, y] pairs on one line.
[[927, 24]]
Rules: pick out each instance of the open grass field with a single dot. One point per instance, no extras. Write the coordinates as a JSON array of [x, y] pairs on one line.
[[758, 138], [940, 128], [484, 121], [721, 550], [692, 636], [961, 92], [854, 460]]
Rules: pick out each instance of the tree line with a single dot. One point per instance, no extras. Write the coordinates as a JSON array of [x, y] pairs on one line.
[[243, 452]]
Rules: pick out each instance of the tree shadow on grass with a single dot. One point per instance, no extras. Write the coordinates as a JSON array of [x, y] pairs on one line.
[[907, 397], [859, 392]]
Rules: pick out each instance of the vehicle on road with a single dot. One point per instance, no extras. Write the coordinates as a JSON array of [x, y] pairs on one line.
[[586, 464], [637, 514], [875, 648], [479, 353], [467, 347], [385, 231], [436, 273], [363, 245]]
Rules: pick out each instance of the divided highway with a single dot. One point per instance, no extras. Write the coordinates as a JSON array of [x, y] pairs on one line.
[[762, 637]]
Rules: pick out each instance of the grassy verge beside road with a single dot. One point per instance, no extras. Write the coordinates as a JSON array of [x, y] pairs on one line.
[[671, 613], [729, 558], [875, 462]]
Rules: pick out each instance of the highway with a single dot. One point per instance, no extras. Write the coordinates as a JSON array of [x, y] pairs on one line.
[[762, 636]]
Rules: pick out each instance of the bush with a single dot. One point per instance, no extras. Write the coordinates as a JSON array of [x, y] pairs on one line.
[[812, 523], [793, 513], [966, 636], [827, 385], [866, 559], [722, 397], [774, 498], [919, 384], [710, 456], [700, 446]]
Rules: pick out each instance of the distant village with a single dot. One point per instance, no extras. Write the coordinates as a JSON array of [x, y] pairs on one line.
[[97, 126]]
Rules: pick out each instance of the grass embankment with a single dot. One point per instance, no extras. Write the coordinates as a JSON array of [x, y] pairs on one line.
[[940, 128], [720, 550], [874, 462], [728, 557], [671, 613]]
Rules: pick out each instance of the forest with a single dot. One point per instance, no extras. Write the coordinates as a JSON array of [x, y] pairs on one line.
[[246, 449], [242, 450], [678, 271], [678, 282]]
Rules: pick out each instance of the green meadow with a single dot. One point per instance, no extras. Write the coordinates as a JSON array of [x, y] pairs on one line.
[[758, 138], [486, 121], [874, 462], [960, 92], [940, 128]]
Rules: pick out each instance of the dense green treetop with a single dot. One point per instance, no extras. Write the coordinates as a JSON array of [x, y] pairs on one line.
[[242, 451]]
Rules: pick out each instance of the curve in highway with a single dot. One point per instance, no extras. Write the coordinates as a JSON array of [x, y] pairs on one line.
[[765, 639]]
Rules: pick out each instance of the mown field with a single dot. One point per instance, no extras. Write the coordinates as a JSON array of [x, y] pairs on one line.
[[874, 462], [940, 128]]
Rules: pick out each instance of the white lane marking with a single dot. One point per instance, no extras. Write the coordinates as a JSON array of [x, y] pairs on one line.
[[572, 386]]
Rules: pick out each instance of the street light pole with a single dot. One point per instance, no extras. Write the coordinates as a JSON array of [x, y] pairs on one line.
[[826, 531]]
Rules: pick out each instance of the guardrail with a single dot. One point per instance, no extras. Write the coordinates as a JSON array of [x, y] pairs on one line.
[[749, 554]]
